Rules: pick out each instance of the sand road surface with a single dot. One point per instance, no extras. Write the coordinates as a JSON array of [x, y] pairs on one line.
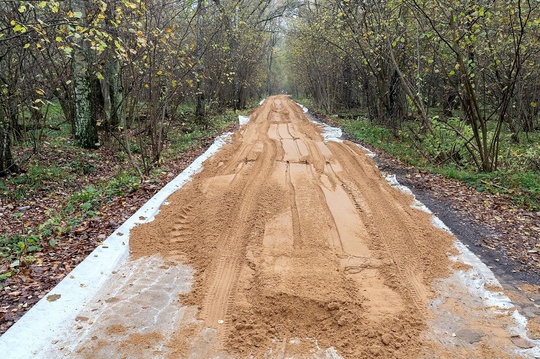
[[297, 248]]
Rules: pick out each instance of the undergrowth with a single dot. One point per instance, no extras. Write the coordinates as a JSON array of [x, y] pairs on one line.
[[518, 175], [55, 171]]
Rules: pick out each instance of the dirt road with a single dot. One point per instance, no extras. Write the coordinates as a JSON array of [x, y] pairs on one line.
[[287, 246], [299, 246], [283, 246]]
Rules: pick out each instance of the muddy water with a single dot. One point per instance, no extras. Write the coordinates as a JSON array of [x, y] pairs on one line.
[[298, 246]]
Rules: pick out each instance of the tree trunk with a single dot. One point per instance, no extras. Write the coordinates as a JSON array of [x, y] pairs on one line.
[[7, 165], [113, 76], [116, 96], [97, 101], [348, 97], [85, 126], [199, 92], [234, 51]]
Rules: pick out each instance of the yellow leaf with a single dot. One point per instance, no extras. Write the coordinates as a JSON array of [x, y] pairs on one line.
[[40, 92], [22, 8], [53, 297]]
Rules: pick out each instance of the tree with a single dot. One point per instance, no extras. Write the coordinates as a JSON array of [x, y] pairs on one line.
[[199, 93], [416, 59], [85, 124], [7, 165], [491, 34]]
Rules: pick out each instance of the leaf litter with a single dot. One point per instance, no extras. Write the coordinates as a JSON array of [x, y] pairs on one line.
[[24, 282]]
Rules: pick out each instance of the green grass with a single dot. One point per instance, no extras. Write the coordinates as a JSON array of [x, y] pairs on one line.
[[17, 188], [80, 206], [188, 134], [518, 175], [62, 165], [382, 138]]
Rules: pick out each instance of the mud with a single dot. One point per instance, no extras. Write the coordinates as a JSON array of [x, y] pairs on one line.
[[299, 248]]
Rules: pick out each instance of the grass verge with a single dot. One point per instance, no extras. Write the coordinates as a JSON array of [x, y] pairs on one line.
[[65, 190], [518, 175]]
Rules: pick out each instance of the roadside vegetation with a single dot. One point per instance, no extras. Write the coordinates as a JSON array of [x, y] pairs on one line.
[[448, 86], [518, 175], [63, 188]]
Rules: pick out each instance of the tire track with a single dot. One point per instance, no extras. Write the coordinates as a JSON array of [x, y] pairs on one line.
[[297, 239], [398, 241], [226, 268], [297, 245], [181, 230]]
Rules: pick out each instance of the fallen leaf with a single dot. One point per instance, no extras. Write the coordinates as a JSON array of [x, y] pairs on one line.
[[521, 342], [53, 297]]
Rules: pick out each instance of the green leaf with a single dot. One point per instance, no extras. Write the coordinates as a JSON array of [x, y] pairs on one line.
[[5, 276], [19, 28], [77, 14], [52, 243], [33, 248]]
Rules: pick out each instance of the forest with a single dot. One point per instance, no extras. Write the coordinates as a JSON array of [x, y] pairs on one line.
[[102, 102], [113, 70], [448, 85], [459, 78]]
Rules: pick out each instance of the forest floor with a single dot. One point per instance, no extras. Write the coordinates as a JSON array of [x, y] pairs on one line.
[[76, 232], [300, 247]]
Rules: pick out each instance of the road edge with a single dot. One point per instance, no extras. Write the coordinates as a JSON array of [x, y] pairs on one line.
[[51, 315], [475, 279]]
